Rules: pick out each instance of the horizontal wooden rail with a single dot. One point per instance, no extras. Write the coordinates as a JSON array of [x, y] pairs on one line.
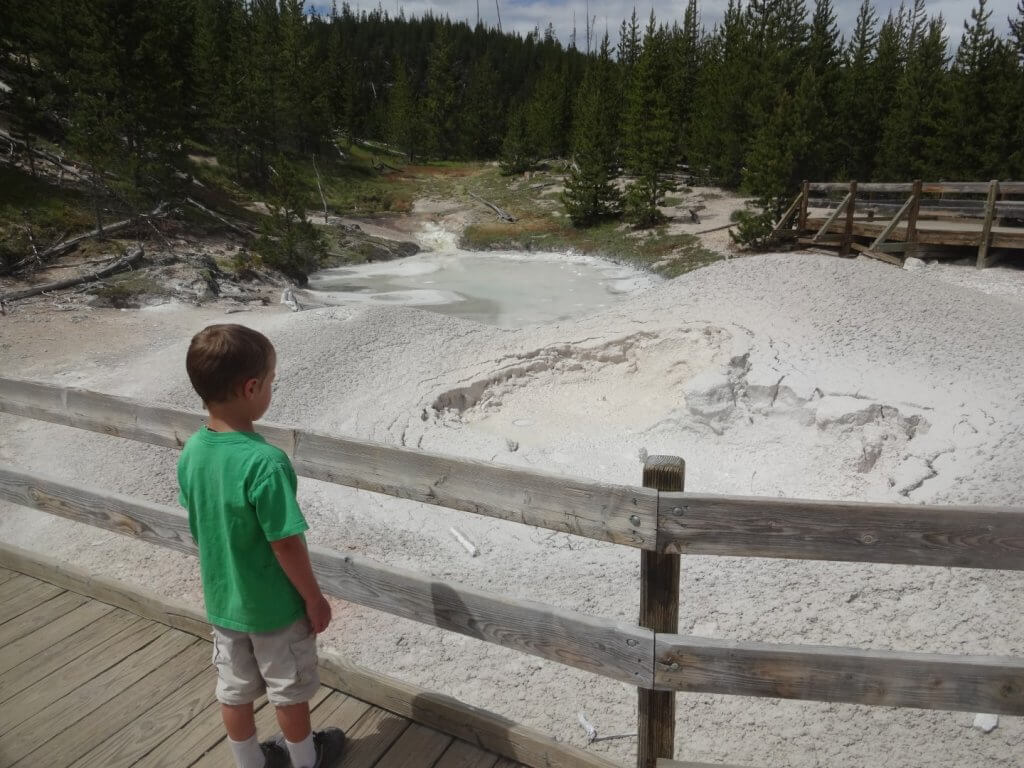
[[928, 188], [609, 648], [951, 536], [821, 673], [620, 514], [909, 534], [602, 646]]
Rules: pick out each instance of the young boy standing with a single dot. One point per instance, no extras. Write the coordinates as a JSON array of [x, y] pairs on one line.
[[261, 595]]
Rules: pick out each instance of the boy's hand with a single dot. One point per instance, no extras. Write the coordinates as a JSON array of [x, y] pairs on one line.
[[319, 613]]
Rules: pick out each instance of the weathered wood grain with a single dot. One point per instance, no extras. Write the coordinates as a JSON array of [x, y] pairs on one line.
[[910, 534], [77, 703], [418, 747], [48, 689], [621, 514], [372, 735], [57, 655], [486, 729], [659, 612], [832, 217], [893, 222], [42, 614], [687, 764], [604, 647], [31, 643], [601, 646], [986, 229], [464, 755], [29, 596], [879, 678], [147, 731], [68, 745]]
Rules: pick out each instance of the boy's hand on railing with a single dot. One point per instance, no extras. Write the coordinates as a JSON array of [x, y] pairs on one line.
[[319, 613]]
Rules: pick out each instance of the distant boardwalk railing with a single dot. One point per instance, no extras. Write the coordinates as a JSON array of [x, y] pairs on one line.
[[663, 524], [874, 218]]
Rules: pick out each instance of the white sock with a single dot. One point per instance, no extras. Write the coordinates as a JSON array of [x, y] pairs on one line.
[[248, 753], [303, 753]]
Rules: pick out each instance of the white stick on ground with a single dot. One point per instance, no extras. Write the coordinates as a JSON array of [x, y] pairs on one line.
[[590, 729], [469, 545]]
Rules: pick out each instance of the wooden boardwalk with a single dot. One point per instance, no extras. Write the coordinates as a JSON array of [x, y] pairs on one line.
[[83, 683]]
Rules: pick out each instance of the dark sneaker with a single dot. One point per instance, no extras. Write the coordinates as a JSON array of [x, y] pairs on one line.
[[276, 754], [329, 744]]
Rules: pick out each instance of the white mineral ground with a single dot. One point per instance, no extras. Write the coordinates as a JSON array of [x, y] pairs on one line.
[[799, 375]]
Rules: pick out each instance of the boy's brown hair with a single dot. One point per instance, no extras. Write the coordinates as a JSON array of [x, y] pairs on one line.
[[221, 358]]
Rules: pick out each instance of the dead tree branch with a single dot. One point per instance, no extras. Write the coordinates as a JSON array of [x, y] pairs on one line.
[[119, 265]]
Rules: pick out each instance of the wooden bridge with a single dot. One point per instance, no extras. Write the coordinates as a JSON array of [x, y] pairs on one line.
[[892, 221], [104, 664]]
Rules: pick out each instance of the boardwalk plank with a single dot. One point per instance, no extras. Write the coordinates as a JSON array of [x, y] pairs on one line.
[[29, 597], [65, 651], [45, 628], [462, 754], [418, 747], [15, 586], [64, 747], [69, 709], [63, 681], [188, 743], [143, 734], [6, 575], [371, 737]]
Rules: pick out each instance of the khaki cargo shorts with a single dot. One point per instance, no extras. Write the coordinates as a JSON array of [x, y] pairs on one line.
[[283, 663]]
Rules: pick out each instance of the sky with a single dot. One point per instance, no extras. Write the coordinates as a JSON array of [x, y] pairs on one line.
[[524, 15]]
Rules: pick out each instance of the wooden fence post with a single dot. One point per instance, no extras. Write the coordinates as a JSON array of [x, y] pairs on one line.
[[659, 610], [805, 191], [844, 249], [915, 211], [986, 230]]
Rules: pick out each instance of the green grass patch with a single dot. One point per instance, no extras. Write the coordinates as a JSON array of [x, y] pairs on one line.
[[34, 206], [542, 226], [128, 290]]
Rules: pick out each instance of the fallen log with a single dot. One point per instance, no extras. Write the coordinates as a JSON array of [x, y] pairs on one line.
[[119, 265], [715, 229], [214, 215], [64, 246], [503, 215]]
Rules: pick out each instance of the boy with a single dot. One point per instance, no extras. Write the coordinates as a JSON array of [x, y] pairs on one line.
[[261, 595]]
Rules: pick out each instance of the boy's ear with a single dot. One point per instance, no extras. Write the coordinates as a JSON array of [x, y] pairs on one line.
[[249, 388]]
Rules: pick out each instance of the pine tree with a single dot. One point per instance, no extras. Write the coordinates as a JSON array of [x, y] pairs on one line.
[[517, 155], [290, 242], [439, 103], [720, 129], [1016, 162], [859, 116], [481, 111], [403, 113], [546, 112], [686, 69], [910, 145], [590, 193], [824, 59], [976, 131], [647, 130]]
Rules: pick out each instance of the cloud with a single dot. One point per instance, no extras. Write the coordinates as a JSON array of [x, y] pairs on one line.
[[525, 15]]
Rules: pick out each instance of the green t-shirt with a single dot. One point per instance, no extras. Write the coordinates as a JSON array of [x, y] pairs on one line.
[[240, 495]]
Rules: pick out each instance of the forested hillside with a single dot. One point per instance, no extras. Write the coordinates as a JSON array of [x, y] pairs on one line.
[[773, 94]]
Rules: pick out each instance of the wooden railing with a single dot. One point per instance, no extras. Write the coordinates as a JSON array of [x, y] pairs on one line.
[[921, 202], [663, 523]]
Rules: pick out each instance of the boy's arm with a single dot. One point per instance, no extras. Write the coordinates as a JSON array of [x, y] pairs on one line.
[[293, 556]]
